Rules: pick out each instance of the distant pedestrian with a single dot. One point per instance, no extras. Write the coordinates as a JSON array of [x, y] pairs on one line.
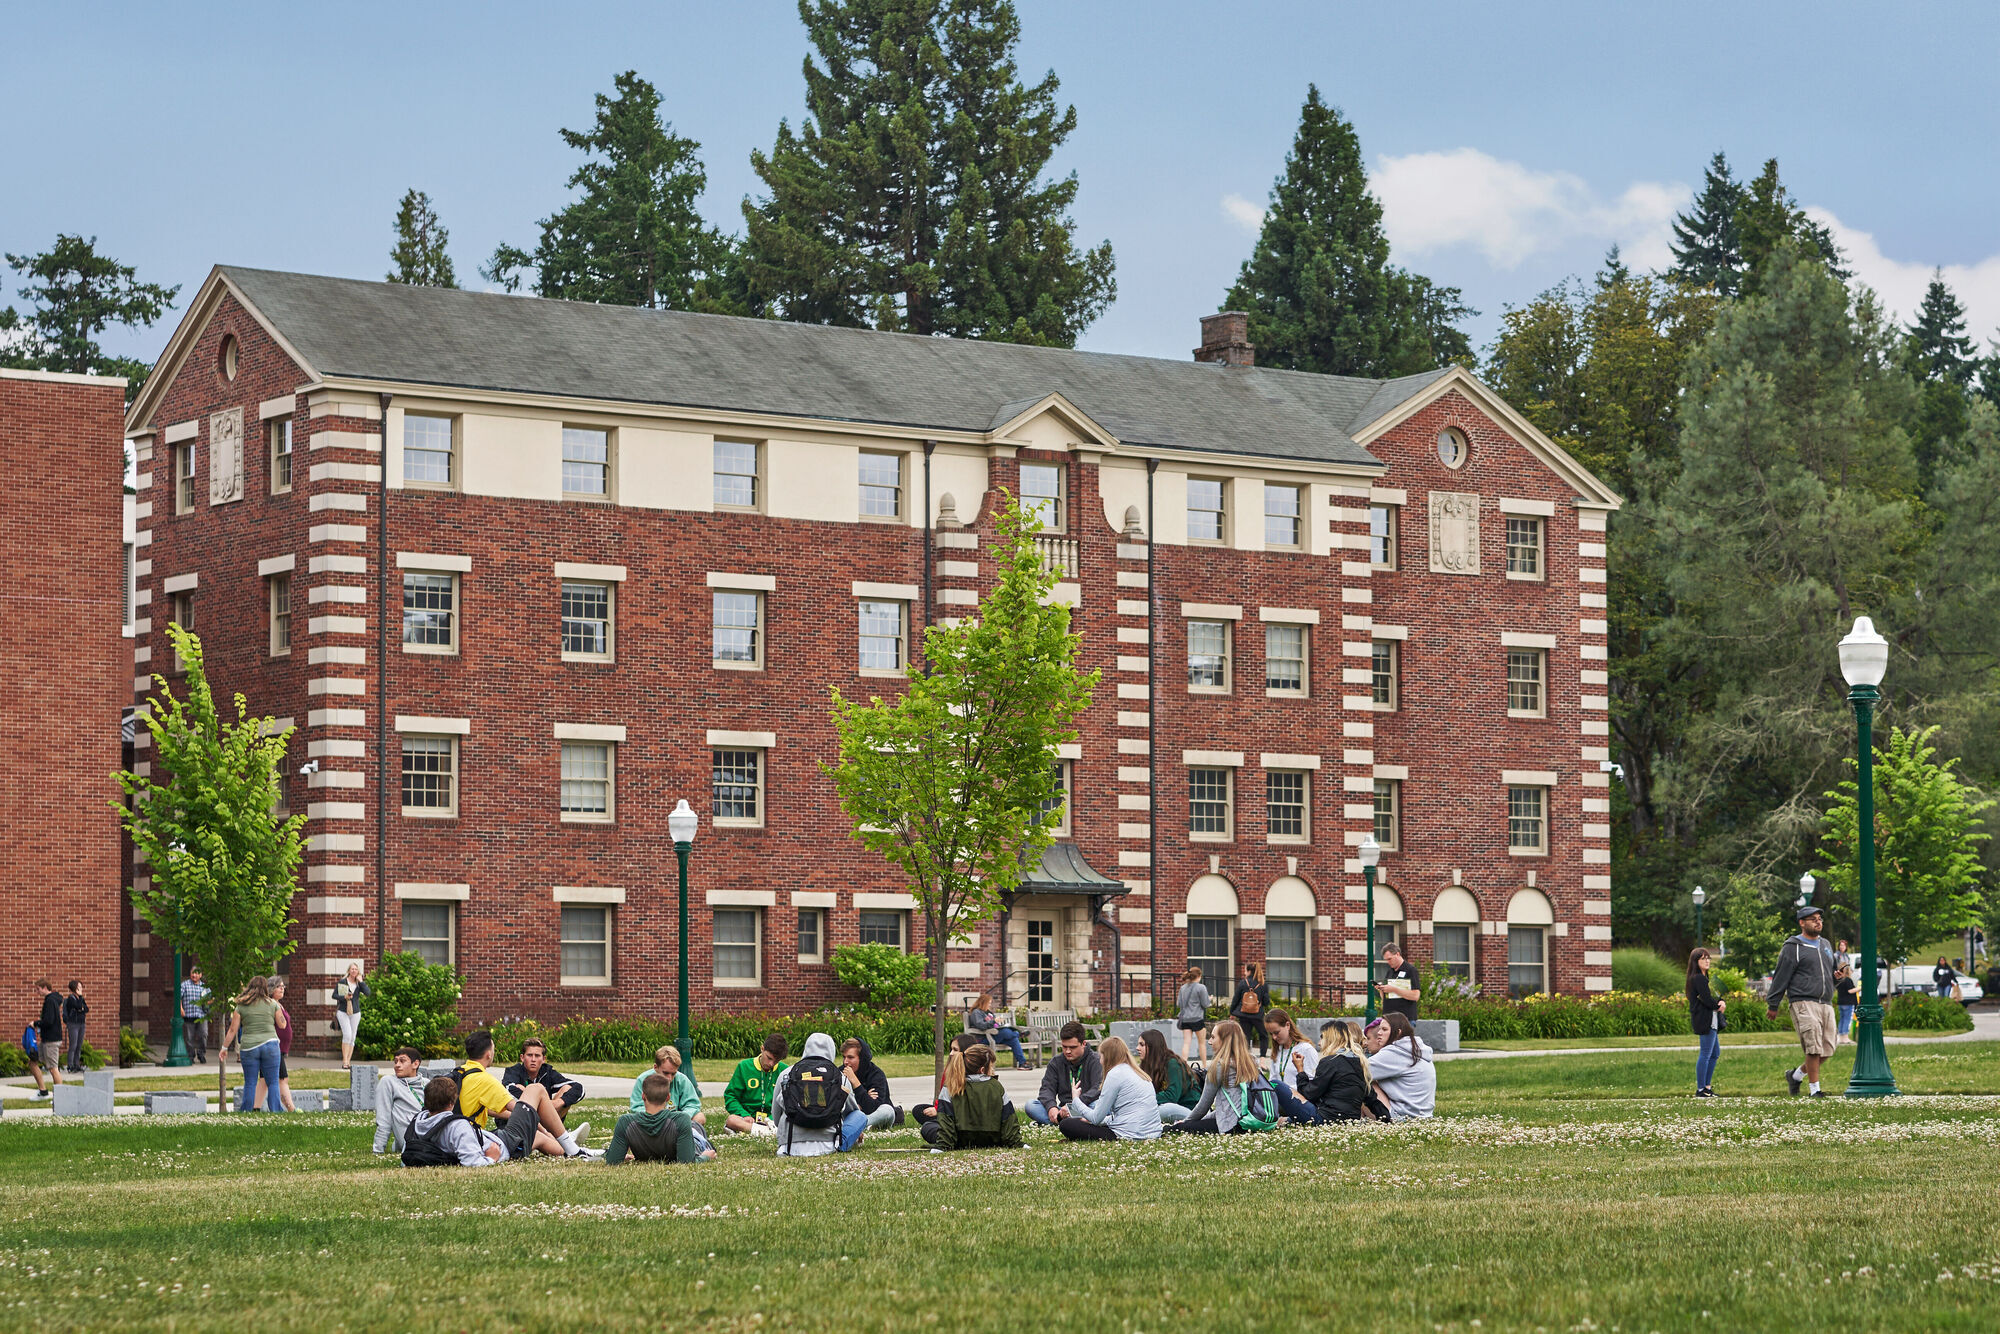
[[253, 1029], [1705, 1018], [276, 986], [75, 1007], [44, 1051], [348, 993], [1845, 994], [1191, 1013], [1399, 987], [1804, 977], [1247, 1007], [1944, 975], [194, 1015]]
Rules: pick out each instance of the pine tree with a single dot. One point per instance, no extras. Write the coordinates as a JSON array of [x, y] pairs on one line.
[[912, 195], [419, 253], [1708, 250], [78, 294], [633, 237], [1319, 288], [1944, 362], [1769, 215]]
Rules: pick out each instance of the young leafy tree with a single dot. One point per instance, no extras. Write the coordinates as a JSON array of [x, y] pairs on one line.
[[1928, 869], [948, 782], [912, 196], [1319, 288], [1752, 930], [419, 253], [220, 870], [78, 294], [633, 236]]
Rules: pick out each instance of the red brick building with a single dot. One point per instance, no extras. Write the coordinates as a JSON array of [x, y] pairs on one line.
[[64, 678], [629, 552]]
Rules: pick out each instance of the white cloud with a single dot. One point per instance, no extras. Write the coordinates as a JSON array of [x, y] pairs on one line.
[[1901, 283], [1248, 216], [1510, 213]]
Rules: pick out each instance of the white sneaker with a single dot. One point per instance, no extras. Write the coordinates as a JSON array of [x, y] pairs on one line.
[[766, 1128], [581, 1133], [587, 1155]]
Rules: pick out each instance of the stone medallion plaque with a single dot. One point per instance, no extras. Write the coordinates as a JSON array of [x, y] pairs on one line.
[[1455, 532]]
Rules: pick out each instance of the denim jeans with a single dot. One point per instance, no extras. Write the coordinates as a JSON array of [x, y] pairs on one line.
[[1704, 1061], [881, 1118], [1846, 1020], [260, 1062], [1292, 1105], [194, 1032], [1038, 1113], [851, 1127], [75, 1035], [1171, 1112], [1010, 1038]]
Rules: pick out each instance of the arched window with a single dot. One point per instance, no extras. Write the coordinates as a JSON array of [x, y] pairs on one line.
[[1388, 919], [1529, 918], [1211, 931], [1454, 928], [1289, 912]]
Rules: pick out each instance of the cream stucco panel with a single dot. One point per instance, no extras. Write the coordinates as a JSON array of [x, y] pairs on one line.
[[666, 470], [1170, 506], [1246, 513], [813, 481], [520, 457], [1046, 430], [1122, 485], [961, 476]]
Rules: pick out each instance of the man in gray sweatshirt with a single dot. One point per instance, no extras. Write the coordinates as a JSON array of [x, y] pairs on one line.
[[399, 1098], [1804, 976]]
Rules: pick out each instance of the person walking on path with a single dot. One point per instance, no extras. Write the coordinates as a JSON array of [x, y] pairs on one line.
[[1247, 1007], [253, 1030], [1705, 1018], [348, 993], [1399, 988], [194, 1016], [1845, 994], [276, 986], [47, 1046], [75, 1007], [1191, 1013], [1944, 975], [1803, 976]]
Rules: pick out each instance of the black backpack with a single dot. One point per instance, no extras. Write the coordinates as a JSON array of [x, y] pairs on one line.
[[427, 1149], [814, 1097]]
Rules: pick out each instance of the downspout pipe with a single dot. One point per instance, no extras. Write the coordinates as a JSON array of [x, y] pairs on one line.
[[382, 698], [1152, 771], [930, 555]]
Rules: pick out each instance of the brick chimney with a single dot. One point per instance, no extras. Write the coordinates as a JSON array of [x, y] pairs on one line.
[[1226, 338]]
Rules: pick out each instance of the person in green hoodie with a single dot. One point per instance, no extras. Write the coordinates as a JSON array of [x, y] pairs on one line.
[[1173, 1083], [747, 1100], [660, 1134], [686, 1095]]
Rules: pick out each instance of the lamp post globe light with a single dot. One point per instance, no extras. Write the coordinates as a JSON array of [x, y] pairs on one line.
[[1864, 657], [680, 827], [1370, 853], [1700, 897]]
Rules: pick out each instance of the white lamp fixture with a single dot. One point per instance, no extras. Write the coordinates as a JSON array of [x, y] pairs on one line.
[[1806, 884], [1370, 852], [681, 822], [1864, 655], [1700, 896]]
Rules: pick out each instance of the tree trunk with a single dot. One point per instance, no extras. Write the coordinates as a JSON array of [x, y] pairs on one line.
[[937, 1009]]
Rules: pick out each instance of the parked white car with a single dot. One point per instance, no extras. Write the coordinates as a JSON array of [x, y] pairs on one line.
[[1917, 977]]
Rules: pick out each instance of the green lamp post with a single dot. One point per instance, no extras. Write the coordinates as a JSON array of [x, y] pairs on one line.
[[1700, 897], [680, 827], [1864, 657], [1370, 853], [177, 1052]]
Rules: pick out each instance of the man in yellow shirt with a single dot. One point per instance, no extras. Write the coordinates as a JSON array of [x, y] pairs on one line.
[[481, 1097]]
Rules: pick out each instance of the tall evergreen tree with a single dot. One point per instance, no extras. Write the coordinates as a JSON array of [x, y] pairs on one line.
[[633, 236], [912, 196], [1708, 250], [1319, 288], [1944, 363], [419, 253], [1769, 215], [78, 294]]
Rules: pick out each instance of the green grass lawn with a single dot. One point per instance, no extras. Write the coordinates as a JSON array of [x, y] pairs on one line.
[[1559, 1193]]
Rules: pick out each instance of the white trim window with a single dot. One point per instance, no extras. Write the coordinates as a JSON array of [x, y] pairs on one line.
[[1285, 659], [1058, 804], [586, 463], [1042, 493], [1287, 958], [278, 602], [278, 431], [430, 776], [587, 610], [1382, 525], [738, 942], [1287, 806], [736, 475], [430, 611], [588, 787], [1388, 814], [1209, 941], [430, 931], [1208, 657], [886, 927], [1527, 961], [1211, 804], [1207, 512], [1527, 674], [1451, 948], [881, 482], [736, 787], [180, 611], [882, 635], [1283, 517], [1385, 674], [184, 477], [1527, 821], [429, 457], [812, 935], [739, 629], [1524, 548], [585, 945]]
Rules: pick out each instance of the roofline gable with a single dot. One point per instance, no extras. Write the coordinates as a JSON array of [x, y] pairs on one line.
[[187, 333], [1055, 402], [1590, 490]]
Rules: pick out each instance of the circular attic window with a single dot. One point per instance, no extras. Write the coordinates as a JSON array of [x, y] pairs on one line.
[[227, 361], [1452, 447]]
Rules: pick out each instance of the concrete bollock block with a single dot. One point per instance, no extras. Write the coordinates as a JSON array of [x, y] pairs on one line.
[[81, 1100], [106, 1079], [176, 1102], [361, 1081], [310, 1100]]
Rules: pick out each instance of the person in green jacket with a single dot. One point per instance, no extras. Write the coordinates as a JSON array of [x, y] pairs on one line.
[[978, 1115], [685, 1097], [660, 1134], [747, 1100], [1173, 1083]]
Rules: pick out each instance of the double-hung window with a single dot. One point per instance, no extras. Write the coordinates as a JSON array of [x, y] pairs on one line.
[[882, 633], [1210, 808], [587, 768], [885, 928], [430, 776], [736, 787], [180, 611], [586, 463], [881, 486], [1524, 548], [1527, 820], [1055, 810], [1208, 656], [812, 935], [1382, 536], [736, 475], [1042, 493], [1285, 957], [1388, 814], [430, 931], [738, 934], [1527, 961], [1282, 518], [1285, 659], [427, 450], [430, 612], [1205, 510], [1384, 674], [279, 433], [278, 592], [1287, 807], [586, 619], [739, 628], [1526, 675], [184, 477], [586, 945]]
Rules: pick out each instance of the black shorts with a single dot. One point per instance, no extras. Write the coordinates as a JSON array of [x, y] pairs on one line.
[[517, 1132], [1190, 1025], [284, 1071]]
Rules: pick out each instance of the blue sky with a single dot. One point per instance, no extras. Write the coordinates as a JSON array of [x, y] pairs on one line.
[[1511, 144]]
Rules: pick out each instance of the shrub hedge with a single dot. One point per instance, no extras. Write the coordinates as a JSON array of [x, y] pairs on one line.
[[1643, 971], [1915, 1012]]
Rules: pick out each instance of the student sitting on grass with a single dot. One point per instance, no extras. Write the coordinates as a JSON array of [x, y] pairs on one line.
[[814, 1113], [399, 1099], [747, 1100], [978, 1115], [1337, 1087], [443, 1136], [660, 1134], [1235, 1088], [931, 1116], [1404, 1073], [686, 1094], [534, 1068], [870, 1087], [1174, 1085], [1126, 1107], [1292, 1057], [482, 1097], [1077, 1072]]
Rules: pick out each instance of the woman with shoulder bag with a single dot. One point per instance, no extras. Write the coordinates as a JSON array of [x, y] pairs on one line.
[[348, 993], [1705, 1018], [1247, 1007]]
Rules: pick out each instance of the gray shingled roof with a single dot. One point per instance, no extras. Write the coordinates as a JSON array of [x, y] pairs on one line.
[[485, 340]]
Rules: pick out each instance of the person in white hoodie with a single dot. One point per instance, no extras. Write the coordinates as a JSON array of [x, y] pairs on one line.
[[1127, 1107], [802, 1141], [1400, 1062], [1286, 1040], [399, 1100]]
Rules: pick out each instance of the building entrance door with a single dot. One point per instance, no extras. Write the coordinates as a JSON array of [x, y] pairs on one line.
[[1042, 963]]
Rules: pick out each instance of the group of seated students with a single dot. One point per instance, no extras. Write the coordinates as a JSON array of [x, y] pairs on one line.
[[472, 1119]]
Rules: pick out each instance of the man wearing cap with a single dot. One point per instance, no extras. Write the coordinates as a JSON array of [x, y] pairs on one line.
[[1804, 976]]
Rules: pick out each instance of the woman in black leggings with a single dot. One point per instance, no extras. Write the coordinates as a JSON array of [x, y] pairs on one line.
[[1250, 1004]]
